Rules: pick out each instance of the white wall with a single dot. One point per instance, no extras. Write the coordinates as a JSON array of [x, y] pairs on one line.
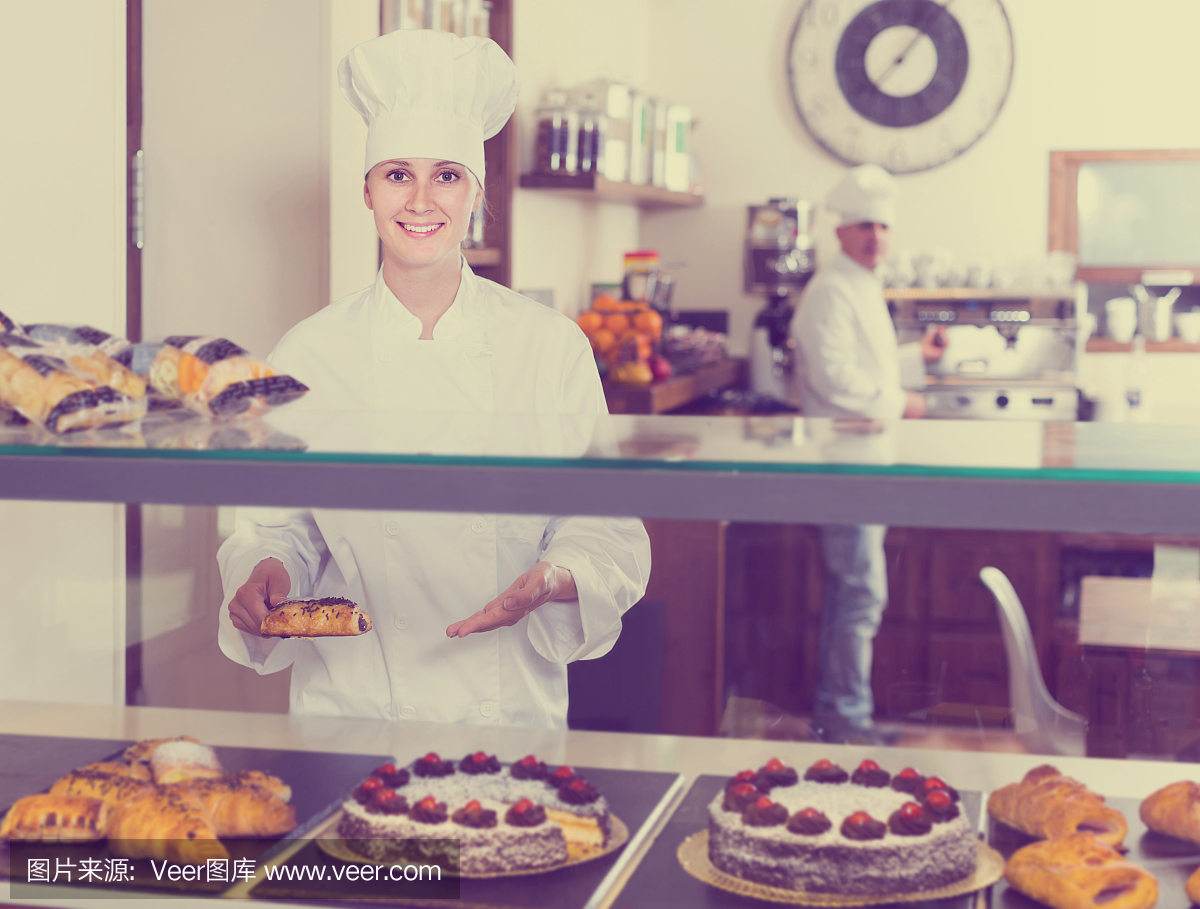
[[62, 259], [1089, 74], [251, 152], [563, 244]]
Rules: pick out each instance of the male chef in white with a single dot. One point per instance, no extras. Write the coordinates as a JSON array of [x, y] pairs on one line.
[[850, 366]]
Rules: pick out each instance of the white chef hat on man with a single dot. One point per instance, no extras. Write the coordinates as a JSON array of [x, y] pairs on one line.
[[429, 94], [865, 193]]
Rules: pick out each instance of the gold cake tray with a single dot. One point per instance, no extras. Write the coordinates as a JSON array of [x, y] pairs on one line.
[[693, 856], [330, 843]]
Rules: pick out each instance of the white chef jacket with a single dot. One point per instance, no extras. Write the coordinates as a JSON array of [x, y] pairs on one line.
[[493, 352], [848, 361]]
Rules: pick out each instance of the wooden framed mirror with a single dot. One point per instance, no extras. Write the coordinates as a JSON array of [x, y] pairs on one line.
[[1125, 212]]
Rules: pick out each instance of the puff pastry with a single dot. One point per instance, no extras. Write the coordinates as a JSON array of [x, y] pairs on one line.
[[326, 617], [1047, 804], [98, 784], [1192, 886], [165, 823], [139, 752], [1174, 810], [59, 818], [1080, 872], [174, 762], [236, 807]]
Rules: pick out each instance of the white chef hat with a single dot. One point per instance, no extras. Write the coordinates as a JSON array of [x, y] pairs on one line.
[[429, 94], [865, 193]]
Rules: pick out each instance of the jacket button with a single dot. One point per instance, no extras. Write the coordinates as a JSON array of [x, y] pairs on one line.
[[479, 525], [392, 527], [400, 621], [408, 712], [487, 708], [385, 356]]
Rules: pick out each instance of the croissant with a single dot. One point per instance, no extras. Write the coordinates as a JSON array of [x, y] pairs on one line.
[[1174, 810], [174, 762], [262, 780], [239, 808], [99, 784], [165, 823], [132, 771], [1080, 872], [140, 751], [57, 818], [1047, 804], [326, 617]]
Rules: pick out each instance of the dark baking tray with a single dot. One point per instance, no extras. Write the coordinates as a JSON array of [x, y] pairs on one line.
[[1170, 860], [319, 782], [31, 763], [633, 795], [661, 883]]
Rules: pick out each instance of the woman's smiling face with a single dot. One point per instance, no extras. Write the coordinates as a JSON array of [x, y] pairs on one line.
[[422, 208]]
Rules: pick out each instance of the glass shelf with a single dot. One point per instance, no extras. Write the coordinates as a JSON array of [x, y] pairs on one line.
[[1004, 475]]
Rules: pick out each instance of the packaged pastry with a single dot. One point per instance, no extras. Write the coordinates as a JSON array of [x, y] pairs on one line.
[[211, 375], [90, 351], [42, 385]]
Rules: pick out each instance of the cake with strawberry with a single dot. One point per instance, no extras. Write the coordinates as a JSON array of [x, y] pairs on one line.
[[831, 831], [477, 814]]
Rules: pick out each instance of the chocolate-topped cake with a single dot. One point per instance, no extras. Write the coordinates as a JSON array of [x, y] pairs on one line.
[[835, 832]]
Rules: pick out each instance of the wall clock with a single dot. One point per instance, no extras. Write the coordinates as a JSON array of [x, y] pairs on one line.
[[906, 84]]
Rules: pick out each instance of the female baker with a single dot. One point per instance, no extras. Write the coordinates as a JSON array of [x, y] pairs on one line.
[[431, 337]]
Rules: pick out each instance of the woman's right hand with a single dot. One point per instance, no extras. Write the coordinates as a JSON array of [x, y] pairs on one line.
[[268, 584]]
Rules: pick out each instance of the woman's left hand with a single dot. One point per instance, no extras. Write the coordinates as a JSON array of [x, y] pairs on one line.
[[540, 584]]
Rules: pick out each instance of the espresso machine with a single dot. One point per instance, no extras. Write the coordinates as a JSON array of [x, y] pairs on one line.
[[780, 258], [1010, 355]]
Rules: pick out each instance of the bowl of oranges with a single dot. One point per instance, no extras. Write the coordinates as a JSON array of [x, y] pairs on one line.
[[625, 337]]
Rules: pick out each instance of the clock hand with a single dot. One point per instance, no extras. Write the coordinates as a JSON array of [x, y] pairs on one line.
[[920, 27]]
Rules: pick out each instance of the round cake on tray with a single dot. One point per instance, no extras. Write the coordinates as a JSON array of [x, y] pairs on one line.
[[504, 817], [864, 833]]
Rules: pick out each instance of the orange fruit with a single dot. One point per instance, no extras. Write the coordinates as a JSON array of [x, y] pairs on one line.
[[605, 303], [635, 345], [649, 322], [617, 323], [603, 340], [590, 321]]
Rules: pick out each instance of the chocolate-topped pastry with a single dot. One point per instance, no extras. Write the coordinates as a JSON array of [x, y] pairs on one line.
[[429, 811], [748, 776], [934, 784], [907, 780], [561, 777], [392, 775], [940, 806], [870, 774], [774, 773], [765, 813], [432, 765], [525, 814], [740, 796], [366, 791], [861, 826], [579, 792], [474, 815], [824, 771], [388, 801], [529, 768], [809, 822], [479, 762], [910, 819]]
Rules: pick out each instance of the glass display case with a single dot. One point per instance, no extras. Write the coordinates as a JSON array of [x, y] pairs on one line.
[[1043, 578]]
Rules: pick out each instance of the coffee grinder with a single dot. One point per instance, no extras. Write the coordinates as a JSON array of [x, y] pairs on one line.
[[780, 258]]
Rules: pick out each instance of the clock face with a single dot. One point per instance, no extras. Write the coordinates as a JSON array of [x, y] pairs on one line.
[[906, 84]]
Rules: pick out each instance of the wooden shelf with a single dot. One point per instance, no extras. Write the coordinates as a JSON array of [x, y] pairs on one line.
[[1171, 345], [659, 397], [598, 189], [482, 257], [971, 293]]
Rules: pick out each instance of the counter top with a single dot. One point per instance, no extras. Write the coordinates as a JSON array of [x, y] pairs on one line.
[[689, 756]]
